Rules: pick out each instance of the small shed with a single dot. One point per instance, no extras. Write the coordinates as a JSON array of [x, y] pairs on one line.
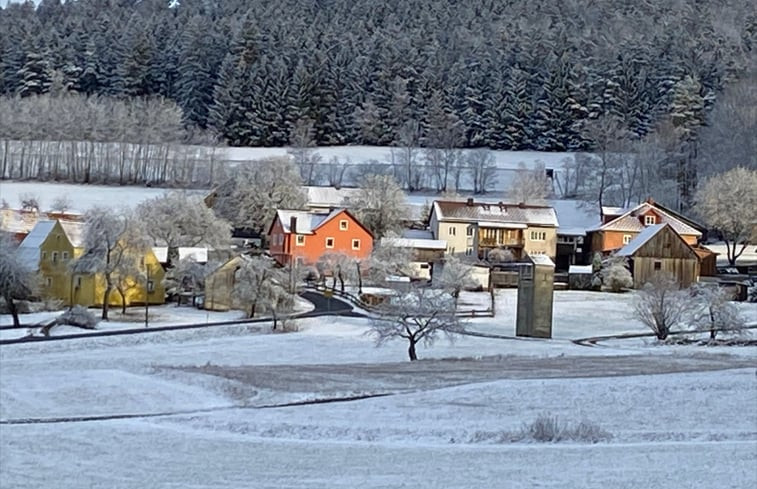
[[579, 277], [535, 297], [659, 249]]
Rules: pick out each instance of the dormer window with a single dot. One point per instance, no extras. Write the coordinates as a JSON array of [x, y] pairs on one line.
[[650, 220]]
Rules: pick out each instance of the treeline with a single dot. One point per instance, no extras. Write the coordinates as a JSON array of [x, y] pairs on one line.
[[97, 139], [503, 74]]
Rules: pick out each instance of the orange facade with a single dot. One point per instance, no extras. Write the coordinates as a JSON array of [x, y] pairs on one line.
[[340, 233], [606, 241]]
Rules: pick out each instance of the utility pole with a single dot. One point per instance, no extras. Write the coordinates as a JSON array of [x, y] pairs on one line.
[[147, 295]]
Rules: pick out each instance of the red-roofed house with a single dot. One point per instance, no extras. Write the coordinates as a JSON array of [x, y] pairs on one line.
[[306, 237]]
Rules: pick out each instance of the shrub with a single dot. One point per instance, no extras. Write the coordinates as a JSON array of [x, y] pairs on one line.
[[548, 428], [78, 316], [617, 276]]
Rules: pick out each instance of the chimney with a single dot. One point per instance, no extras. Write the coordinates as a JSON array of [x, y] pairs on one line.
[[469, 203], [293, 224]]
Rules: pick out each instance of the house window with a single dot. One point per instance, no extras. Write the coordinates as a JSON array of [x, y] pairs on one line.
[[55, 256], [452, 230], [300, 240], [44, 255], [538, 236], [77, 282], [469, 231], [626, 238], [49, 281], [649, 220], [329, 242], [658, 265], [343, 225], [65, 256], [468, 251], [355, 244], [150, 286]]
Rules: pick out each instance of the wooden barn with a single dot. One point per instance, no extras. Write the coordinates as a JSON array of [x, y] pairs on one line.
[[659, 249]]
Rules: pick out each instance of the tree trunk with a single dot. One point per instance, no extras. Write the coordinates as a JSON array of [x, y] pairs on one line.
[[123, 301], [106, 300], [14, 311], [411, 351], [275, 319]]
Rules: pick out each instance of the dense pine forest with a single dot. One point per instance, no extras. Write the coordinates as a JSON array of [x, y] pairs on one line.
[[504, 74]]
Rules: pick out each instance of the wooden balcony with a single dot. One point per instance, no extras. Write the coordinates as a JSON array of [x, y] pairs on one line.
[[500, 242]]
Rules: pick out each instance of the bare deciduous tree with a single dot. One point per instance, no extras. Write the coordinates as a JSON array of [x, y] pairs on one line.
[[114, 245], [17, 281], [529, 186], [482, 170], [661, 305], [728, 203], [420, 315], [303, 151], [456, 276], [250, 198], [340, 267], [380, 204], [176, 219], [387, 260], [61, 203], [29, 202], [712, 309]]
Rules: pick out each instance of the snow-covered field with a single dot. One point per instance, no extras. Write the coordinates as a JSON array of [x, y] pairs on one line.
[[204, 408]]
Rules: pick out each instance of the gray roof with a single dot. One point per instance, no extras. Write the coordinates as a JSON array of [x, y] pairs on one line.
[[28, 250], [630, 222], [330, 196], [574, 216], [307, 222], [640, 240], [500, 212]]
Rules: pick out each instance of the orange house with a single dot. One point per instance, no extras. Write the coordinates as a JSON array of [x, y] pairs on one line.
[[620, 229], [305, 237]]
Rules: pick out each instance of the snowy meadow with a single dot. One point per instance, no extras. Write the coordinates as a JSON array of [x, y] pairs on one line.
[[323, 407]]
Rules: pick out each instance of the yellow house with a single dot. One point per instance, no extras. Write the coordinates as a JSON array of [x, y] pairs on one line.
[[51, 248], [219, 285]]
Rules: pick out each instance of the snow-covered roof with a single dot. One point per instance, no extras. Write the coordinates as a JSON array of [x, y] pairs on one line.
[[74, 232], [421, 244], [417, 234], [580, 270], [542, 260], [574, 217], [631, 222], [330, 196], [28, 250], [200, 255], [501, 225], [613, 211], [471, 211], [640, 240], [307, 222]]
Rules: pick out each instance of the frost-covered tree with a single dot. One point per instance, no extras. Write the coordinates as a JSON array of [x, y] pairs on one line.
[[17, 281], [482, 170], [114, 244], [250, 198], [387, 260], [456, 276], [500, 255], [529, 186], [617, 276], [176, 219], [186, 275], [61, 203], [340, 267], [303, 150], [253, 282], [713, 310], [728, 203], [380, 204], [661, 305], [420, 315]]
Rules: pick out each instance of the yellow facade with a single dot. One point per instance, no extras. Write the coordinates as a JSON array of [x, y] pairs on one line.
[[56, 256], [219, 286]]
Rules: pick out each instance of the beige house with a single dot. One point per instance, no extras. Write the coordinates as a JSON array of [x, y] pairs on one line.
[[474, 228]]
